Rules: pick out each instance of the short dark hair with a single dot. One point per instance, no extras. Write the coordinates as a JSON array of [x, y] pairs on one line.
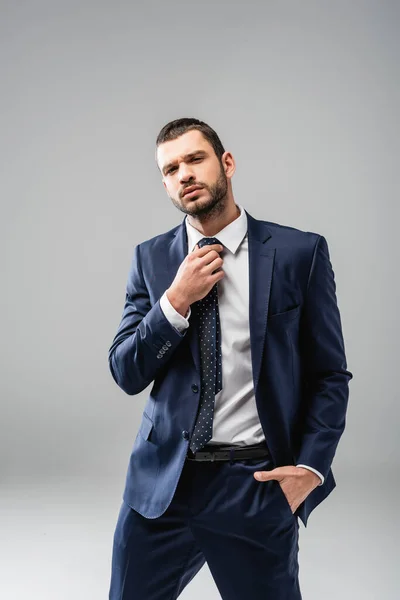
[[178, 127]]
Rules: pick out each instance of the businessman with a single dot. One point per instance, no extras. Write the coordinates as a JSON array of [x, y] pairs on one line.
[[234, 321]]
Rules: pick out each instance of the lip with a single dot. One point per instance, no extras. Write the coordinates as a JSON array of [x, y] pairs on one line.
[[191, 190]]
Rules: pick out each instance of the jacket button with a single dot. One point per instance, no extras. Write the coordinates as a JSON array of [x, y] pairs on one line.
[[185, 434], [195, 388]]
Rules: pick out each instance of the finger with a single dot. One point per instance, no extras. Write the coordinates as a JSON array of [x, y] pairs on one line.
[[205, 249], [268, 475], [215, 265]]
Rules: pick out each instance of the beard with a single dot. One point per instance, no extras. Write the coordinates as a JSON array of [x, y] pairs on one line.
[[206, 209]]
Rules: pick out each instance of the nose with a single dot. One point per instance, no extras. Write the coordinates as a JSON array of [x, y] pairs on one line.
[[185, 174]]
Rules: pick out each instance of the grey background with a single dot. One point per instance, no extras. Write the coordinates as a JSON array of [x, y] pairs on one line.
[[305, 95]]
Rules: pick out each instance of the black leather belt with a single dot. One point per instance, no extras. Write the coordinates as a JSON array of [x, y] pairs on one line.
[[212, 452]]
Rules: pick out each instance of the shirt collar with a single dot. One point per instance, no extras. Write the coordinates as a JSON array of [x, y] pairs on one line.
[[231, 236]]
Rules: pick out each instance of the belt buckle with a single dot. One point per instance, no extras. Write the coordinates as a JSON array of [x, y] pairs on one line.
[[210, 455], [204, 455]]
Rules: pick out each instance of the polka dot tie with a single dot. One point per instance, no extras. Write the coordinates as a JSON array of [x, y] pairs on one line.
[[209, 330]]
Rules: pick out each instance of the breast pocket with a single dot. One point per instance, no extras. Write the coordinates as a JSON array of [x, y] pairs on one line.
[[281, 331], [146, 426], [285, 316]]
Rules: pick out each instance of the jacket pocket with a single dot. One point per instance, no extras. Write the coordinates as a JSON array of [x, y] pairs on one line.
[[146, 426], [283, 317]]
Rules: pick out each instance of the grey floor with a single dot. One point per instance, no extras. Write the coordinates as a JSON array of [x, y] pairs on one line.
[[56, 538]]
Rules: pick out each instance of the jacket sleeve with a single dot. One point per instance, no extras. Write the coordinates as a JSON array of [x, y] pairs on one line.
[[145, 339], [324, 361]]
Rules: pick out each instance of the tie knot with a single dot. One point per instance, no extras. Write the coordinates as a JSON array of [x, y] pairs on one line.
[[207, 241]]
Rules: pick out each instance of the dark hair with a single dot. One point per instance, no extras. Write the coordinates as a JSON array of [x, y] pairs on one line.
[[178, 127]]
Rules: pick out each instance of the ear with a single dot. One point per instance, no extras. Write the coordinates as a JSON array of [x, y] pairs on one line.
[[229, 164]]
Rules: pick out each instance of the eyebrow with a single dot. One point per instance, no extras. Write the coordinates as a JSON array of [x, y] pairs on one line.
[[186, 156]]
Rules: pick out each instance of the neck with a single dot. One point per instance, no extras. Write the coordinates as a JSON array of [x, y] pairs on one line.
[[212, 226]]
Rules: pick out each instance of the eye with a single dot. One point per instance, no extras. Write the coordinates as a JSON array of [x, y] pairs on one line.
[[174, 168]]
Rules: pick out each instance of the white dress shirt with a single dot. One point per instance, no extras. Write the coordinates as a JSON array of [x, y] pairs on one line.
[[236, 420]]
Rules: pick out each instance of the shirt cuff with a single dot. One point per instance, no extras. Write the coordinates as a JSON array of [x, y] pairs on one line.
[[176, 319], [314, 471]]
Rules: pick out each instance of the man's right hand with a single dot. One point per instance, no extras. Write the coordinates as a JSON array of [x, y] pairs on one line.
[[195, 277]]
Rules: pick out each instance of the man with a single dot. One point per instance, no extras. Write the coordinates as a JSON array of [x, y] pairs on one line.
[[235, 322]]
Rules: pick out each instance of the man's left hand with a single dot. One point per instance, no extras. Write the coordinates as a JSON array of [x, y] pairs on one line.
[[296, 482]]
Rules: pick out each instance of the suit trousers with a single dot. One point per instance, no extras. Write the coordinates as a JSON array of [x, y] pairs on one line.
[[220, 514]]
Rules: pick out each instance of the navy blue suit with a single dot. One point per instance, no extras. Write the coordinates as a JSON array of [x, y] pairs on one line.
[[298, 358]]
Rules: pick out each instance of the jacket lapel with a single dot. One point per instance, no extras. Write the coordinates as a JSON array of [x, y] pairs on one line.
[[261, 261]]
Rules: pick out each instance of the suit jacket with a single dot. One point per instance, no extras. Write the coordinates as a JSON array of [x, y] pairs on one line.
[[298, 359]]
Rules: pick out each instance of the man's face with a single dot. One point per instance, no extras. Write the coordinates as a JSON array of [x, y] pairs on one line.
[[188, 161]]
